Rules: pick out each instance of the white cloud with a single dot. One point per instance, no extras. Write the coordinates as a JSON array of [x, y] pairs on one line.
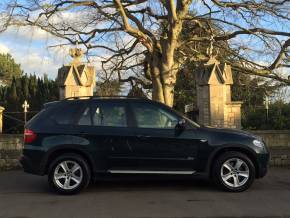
[[4, 49], [28, 33], [37, 63]]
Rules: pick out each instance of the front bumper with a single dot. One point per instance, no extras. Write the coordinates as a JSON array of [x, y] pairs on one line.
[[263, 161]]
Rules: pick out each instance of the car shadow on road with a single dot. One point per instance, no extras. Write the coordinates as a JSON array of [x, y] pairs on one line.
[[151, 183], [19, 182]]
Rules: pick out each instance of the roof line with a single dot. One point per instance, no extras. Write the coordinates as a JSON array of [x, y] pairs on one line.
[[100, 97]]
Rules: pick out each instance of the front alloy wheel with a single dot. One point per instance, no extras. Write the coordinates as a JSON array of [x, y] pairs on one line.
[[233, 171]]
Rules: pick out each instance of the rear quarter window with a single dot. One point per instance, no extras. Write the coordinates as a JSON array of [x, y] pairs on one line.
[[41, 118], [68, 113]]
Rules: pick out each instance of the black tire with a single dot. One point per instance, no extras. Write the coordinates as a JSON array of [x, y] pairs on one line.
[[217, 168], [86, 174]]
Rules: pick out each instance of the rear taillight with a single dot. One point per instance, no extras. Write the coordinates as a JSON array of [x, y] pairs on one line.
[[29, 136]]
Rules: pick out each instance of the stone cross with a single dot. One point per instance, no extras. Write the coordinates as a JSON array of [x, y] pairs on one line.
[[25, 107]]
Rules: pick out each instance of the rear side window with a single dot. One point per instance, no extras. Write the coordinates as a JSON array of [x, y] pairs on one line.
[[104, 114], [67, 113]]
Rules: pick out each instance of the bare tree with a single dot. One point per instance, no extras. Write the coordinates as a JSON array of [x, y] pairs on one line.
[[145, 34]]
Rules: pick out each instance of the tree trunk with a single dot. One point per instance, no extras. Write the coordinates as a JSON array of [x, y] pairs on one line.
[[164, 67], [157, 87], [163, 80]]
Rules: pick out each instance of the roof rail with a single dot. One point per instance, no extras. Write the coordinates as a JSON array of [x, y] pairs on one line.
[[96, 97]]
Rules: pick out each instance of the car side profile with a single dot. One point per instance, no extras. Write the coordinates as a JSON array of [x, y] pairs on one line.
[[77, 139]]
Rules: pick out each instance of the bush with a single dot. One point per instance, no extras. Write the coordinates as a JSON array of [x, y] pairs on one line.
[[279, 117]]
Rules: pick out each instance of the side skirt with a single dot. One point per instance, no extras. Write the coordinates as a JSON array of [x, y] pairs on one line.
[[151, 172]]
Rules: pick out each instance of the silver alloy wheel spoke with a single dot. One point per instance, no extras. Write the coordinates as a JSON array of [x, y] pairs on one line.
[[243, 174], [64, 166], [76, 179], [228, 166], [68, 175], [236, 181], [59, 175], [235, 172], [66, 184], [227, 176], [75, 168], [238, 164]]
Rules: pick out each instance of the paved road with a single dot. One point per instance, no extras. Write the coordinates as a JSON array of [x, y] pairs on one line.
[[27, 196]]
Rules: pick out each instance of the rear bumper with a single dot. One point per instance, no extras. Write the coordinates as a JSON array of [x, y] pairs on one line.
[[28, 166], [32, 162]]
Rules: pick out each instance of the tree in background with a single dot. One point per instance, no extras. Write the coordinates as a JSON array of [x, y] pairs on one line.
[[185, 90], [279, 117], [136, 92], [108, 88], [35, 90], [147, 33], [8, 69], [107, 85]]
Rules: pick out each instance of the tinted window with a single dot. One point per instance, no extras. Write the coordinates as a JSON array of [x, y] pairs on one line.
[[85, 118], [104, 114], [67, 113], [151, 116]]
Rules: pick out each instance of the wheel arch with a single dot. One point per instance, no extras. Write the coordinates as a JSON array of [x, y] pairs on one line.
[[52, 155], [225, 149]]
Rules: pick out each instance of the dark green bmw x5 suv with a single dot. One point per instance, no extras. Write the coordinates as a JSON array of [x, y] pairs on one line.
[[75, 140]]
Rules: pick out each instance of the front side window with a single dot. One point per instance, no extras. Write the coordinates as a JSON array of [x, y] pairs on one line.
[[104, 114], [150, 116]]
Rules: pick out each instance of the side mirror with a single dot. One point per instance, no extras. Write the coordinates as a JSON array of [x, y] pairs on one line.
[[180, 126]]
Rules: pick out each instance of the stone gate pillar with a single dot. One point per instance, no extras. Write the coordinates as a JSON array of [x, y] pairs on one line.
[[1, 118], [214, 96]]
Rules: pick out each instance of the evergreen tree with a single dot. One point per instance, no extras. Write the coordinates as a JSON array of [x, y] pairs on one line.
[[8, 69], [35, 90]]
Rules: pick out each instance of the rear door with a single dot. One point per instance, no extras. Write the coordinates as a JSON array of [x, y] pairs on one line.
[[106, 126]]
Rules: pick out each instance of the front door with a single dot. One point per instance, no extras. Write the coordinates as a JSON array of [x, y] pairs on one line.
[[156, 145]]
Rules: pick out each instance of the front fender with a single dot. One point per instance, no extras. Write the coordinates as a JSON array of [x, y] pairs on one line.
[[230, 147]]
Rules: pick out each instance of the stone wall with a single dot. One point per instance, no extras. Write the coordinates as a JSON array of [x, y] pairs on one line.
[[278, 142], [233, 115], [10, 150], [275, 138]]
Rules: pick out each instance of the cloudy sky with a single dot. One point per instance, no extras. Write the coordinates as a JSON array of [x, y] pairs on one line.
[[31, 48]]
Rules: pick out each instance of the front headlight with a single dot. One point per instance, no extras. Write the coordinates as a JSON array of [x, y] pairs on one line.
[[258, 143]]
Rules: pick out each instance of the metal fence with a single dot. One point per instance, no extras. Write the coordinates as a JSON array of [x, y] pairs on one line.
[[14, 121]]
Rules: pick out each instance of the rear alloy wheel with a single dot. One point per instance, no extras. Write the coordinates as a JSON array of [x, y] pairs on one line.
[[69, 174], [234, 171]]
